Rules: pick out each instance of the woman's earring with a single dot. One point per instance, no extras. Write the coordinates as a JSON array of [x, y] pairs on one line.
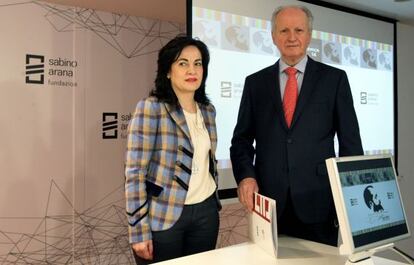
[[168, 76]]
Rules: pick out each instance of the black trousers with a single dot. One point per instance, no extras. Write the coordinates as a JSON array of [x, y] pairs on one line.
[[289, 224], [195, 231]]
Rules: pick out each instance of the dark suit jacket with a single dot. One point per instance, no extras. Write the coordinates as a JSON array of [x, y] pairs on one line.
[[294, 158]]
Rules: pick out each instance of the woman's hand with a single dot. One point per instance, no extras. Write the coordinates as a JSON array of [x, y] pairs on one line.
[[143, 249]]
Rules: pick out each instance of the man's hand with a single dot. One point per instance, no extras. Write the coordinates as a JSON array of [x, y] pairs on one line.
[[143, 249], [245, 191]]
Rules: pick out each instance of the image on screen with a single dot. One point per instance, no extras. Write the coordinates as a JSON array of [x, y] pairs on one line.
[[372, 200]]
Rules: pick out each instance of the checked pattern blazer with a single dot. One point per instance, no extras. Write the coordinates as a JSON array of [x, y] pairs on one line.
[[158, 165]]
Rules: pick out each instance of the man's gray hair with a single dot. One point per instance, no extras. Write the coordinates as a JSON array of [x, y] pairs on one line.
[[307, 12]]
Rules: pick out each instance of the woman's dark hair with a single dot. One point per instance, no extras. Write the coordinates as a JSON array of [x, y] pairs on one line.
[[166, 57]]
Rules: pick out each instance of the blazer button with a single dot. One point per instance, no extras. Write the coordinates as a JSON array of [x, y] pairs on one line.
[[180, 147], [289, 141], [178, 163]]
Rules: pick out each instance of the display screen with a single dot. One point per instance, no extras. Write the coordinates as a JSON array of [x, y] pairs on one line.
[[372, 200], [238, 35]]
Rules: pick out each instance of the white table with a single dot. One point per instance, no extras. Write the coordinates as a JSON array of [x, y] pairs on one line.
[[292, 251]]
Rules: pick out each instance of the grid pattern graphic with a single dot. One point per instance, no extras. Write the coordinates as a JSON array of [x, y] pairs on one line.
[[144, 36]]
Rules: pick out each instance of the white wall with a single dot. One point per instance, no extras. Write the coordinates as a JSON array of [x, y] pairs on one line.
[[405, 57]]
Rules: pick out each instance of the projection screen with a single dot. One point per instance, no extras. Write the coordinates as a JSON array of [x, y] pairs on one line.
[[238, 34]]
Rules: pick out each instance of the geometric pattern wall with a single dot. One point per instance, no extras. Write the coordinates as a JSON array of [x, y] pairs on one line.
[[48, 220], [53, 208], [100, 234], [113, 28]]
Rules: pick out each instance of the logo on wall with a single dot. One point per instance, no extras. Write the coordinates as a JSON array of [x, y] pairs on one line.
[[35, 69], [57, 71], [109, 125], [115, 125]]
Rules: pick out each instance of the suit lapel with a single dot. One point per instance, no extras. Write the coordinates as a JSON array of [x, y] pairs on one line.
[[273, 84], [177, 115], [308, 85], [209, 121]]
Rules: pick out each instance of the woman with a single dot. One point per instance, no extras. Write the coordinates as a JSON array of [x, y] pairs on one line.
[[171, 176]]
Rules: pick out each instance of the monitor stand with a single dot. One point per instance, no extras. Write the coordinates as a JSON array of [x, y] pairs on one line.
[[363, 257], [367, 261]]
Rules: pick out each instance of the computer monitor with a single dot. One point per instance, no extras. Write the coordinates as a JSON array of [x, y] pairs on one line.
[[368, 203]]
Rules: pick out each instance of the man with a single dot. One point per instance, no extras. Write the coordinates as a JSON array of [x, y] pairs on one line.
[[292, 115]]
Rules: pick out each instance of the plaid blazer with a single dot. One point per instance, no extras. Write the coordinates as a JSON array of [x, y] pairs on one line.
[[158, 165]]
